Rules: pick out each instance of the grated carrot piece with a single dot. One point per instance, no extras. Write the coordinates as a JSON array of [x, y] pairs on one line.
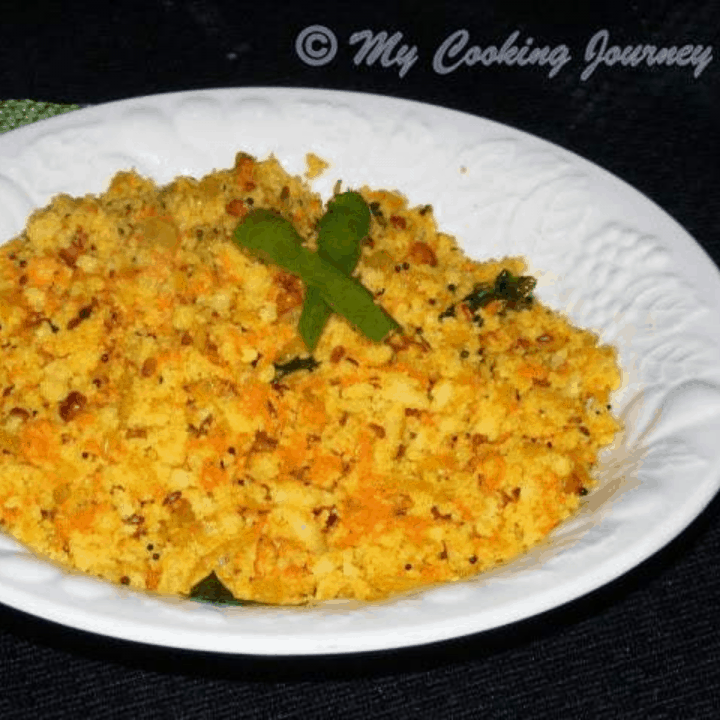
[[492, 468], [39, 441], [211, 476]]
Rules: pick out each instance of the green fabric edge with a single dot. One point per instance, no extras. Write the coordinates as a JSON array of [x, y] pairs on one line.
[[16, 113]]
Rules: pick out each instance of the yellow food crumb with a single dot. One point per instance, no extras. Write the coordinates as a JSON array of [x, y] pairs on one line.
[[316, 166]]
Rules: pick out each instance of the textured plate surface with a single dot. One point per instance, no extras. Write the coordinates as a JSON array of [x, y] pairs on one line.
[[603, 253]]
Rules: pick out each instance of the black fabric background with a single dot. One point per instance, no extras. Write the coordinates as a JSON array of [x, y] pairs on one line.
[[647, 645]]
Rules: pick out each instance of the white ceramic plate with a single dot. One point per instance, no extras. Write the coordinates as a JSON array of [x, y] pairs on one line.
[[604, 253]]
